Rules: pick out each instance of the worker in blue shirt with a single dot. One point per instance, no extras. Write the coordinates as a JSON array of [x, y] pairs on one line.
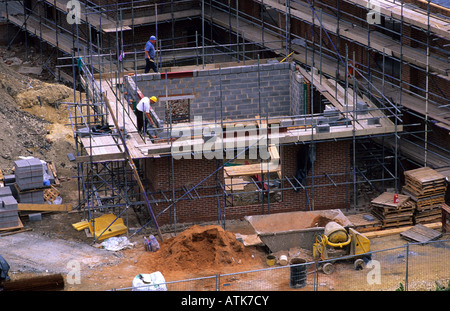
[[150, 55]]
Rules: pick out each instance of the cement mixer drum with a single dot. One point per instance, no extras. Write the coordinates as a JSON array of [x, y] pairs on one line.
[[335, 232]]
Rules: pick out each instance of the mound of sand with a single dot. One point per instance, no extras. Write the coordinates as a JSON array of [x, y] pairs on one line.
[[44, 94], [199, 248]]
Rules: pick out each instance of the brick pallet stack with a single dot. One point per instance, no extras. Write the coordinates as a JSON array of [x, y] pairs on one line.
[[29, 181], [9, 216], [393, 214], [427, 189]]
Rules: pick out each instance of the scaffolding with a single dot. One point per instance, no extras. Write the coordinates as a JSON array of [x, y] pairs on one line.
[[341, 56]]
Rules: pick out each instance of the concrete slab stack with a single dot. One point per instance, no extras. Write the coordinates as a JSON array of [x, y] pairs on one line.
[[29, 174], [32, 197], [9, 215]]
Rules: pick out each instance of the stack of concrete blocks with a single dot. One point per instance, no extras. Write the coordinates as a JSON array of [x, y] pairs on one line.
[[30, 180], [332, 113], [362, 108], [9, 216]]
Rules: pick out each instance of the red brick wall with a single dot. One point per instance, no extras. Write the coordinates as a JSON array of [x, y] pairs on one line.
[[187, 173], [331, 158]]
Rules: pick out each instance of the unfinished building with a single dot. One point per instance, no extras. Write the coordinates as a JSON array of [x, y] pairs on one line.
[[336, 97]]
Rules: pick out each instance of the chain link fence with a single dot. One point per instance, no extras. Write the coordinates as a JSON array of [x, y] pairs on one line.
[[412, 267]]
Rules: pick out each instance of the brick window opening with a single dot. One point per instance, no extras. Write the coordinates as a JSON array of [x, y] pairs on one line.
[[178, 110], [260, 181]]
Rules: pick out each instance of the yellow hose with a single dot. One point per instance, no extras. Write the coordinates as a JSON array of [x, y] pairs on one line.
[[340, 245]]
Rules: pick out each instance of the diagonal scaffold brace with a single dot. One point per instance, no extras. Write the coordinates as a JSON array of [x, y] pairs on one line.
[[132, 165]]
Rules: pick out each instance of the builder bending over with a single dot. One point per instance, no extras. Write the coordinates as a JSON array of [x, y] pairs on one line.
[[142, 108], [150, 55]]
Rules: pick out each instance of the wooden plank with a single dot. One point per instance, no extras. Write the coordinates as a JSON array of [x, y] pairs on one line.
[[251, 169], [50, 282], [101, 157], [52, 168], [273, 151], [420, 233], [235, 184], [417, 18], [378, 41], [15, 231], [387, 232], [45, 207]]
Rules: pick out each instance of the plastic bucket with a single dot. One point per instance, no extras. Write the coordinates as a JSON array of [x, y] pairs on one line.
[[270, 260], [298, 273], [283, 260]]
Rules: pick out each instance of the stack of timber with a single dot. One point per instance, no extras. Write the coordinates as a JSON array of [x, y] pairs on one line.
[[393, 214], [427, 189]]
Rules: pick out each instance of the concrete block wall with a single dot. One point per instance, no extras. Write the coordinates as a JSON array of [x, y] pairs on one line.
[[240, 91], [297, 104]]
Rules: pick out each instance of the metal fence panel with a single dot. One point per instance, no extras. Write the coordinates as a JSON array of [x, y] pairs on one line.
[[415, 267], [427, 264]]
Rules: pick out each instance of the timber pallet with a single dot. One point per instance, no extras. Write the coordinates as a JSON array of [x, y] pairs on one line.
[[24, 191], [385, 213], [429, 207], [424, 184], [393, 214], [361, 224], [428, 215], [430, 201], [394, 220], [386, 199], [423, 193], [397, 223], [424, 176], [427, 220], [421, 187], [51, 194], [420, 233]]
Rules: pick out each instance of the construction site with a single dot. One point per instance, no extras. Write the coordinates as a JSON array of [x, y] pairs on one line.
[[289, 145]]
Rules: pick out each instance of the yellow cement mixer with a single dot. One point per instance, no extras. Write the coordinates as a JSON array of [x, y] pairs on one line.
[[338, 242]]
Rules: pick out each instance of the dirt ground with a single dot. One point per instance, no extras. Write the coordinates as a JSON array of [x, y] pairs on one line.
[[53, 245], [33, 127]]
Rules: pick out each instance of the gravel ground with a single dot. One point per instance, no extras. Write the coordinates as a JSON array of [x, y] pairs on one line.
[[28, 252]]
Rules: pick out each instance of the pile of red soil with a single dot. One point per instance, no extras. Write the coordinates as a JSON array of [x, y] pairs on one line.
[[201, 248]]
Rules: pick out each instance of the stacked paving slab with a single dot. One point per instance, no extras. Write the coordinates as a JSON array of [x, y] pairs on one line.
[[29, 180], [9, 216]]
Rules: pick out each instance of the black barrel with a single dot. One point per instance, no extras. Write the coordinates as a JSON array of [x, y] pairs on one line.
[[298, 273]]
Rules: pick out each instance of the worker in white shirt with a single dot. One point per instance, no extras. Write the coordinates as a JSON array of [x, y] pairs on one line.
[[142, 108]]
